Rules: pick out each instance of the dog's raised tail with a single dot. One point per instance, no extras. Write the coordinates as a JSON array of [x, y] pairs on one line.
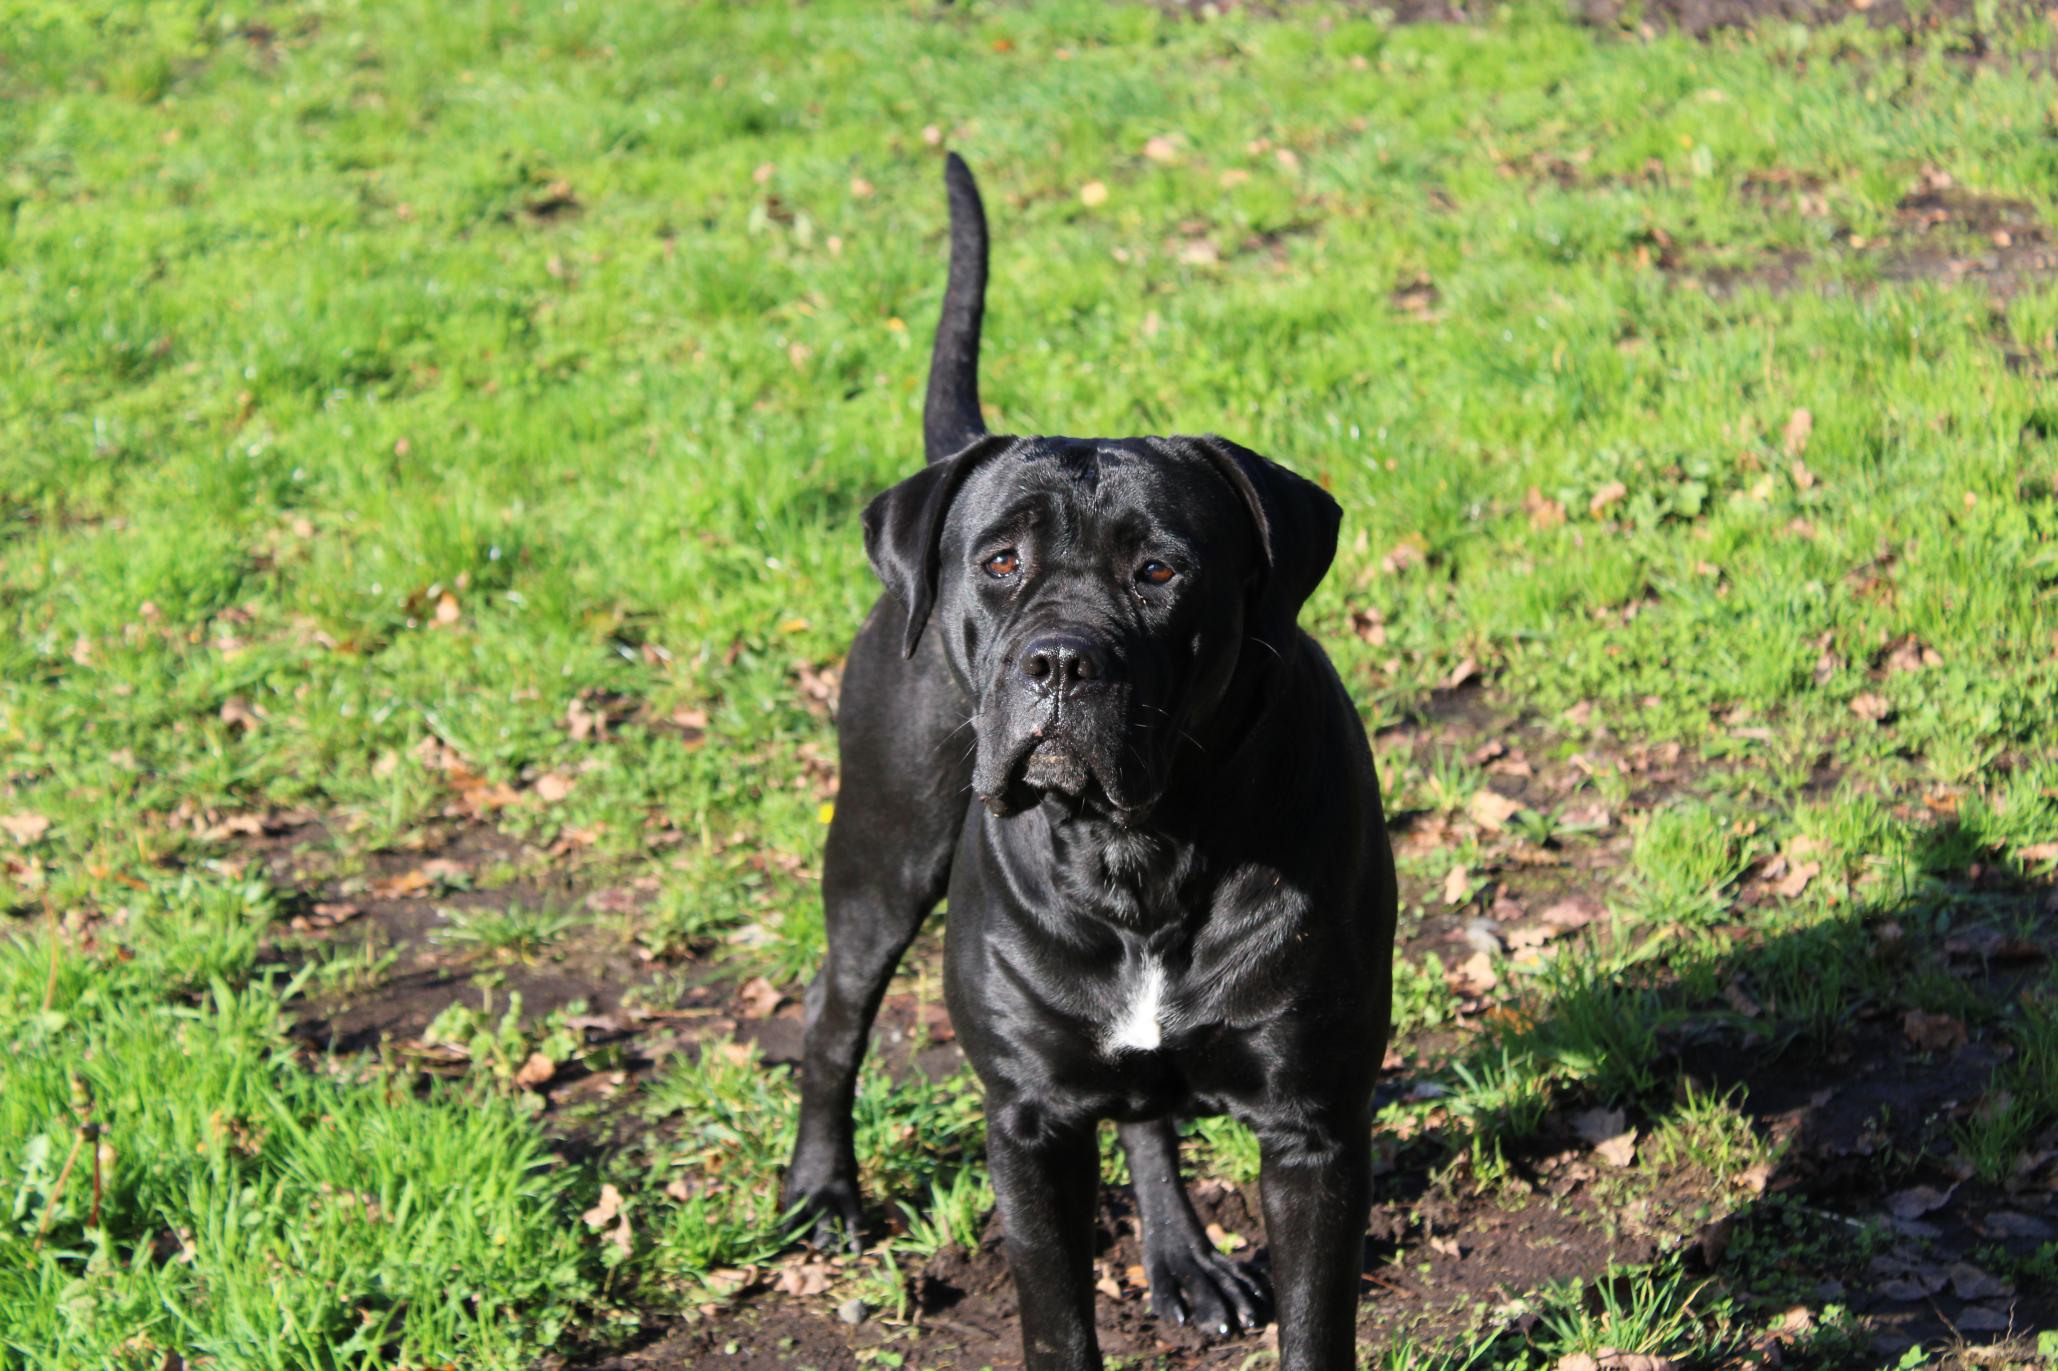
[[950, 418]]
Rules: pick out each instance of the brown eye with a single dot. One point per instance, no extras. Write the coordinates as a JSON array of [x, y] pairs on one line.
[[1002, 564], [1154, 573]]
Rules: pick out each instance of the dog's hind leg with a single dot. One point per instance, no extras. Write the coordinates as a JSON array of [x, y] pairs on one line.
[[905, 775], [1190, 1282]]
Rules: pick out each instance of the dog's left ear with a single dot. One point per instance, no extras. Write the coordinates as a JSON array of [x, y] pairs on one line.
[[904, 527], [1297, 522]]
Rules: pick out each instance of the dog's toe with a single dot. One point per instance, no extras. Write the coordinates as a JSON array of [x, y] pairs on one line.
[[831, 1216], [1197, 1285]]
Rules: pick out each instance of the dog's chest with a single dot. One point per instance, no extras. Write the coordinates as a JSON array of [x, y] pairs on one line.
[[1137, 1019]]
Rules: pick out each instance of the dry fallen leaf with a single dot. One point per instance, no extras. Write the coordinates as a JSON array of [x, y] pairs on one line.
[[1968, 1282], [1796, 880], [1871, 706], [1794, 437], [1411, 551], [1635, 1361], [1610, 494], [24, 828], [323, 915], [403, 885], [760, 998], [1542, 512], [535, 1071], [1492, 810], [804, 1278], [1618, 1151], [1093, 193], [1161, 149], [603, 1213], [1474, 976], [1569, 914], [730, 1280], [1916, 1201], [238, 712], [1932, 1032], [1457, 885], [552, 787], [584, 722]]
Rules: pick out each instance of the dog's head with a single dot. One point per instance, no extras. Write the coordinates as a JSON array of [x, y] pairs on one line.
[[1096, 598]]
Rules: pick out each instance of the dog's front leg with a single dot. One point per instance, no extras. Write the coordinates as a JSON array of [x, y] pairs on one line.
[[1045, 1174], [1190, 1282], [1317, 1194]]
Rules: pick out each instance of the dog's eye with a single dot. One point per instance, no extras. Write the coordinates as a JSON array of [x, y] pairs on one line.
[[1155, 573], [1002, 564]]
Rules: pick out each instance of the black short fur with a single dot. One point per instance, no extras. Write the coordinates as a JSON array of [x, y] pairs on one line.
[[1083, 710]]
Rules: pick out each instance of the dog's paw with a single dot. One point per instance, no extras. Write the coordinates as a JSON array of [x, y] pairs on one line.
[[1192, 1283], [829, 1213]]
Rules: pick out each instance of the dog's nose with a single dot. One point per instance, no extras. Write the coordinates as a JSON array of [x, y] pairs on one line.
[[1062, 662]]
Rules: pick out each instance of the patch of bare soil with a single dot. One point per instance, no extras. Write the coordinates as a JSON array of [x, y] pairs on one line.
[[408, 921], [1402, 11], [1698, 18], [1944, 232], [1941, 232], [404, 902]]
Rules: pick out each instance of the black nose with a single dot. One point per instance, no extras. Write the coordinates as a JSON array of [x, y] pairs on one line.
[[1063, 662]]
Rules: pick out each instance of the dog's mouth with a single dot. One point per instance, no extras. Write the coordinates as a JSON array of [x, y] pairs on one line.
[[1056, 764], [1047, 766]]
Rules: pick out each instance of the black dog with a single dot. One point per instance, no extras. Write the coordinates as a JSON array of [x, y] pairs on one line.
[[1170, 886]]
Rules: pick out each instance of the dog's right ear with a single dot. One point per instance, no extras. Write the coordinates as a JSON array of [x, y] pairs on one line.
[[904, 527]]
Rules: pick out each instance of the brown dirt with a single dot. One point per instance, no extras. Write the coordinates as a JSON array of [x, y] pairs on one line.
[[1941, 233], [1698, 18], [1701, 18]]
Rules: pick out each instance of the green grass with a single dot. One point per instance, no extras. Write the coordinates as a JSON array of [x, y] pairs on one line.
[[384, 387], [244, 1209]]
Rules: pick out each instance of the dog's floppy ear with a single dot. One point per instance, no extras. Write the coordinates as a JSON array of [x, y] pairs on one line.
[[1297, 522], [904, 525]]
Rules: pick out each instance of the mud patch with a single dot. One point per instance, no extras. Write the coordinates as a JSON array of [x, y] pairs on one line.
[[1701, 18], [1941, 233], [1697, 18]]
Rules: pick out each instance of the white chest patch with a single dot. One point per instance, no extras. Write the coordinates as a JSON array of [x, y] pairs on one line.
[[1138, 1028]]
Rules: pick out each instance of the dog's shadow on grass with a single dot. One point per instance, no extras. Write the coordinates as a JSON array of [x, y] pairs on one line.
[[1829, 1116]]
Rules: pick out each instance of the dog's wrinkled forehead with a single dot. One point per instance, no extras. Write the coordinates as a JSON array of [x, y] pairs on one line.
[[1153, 484]]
